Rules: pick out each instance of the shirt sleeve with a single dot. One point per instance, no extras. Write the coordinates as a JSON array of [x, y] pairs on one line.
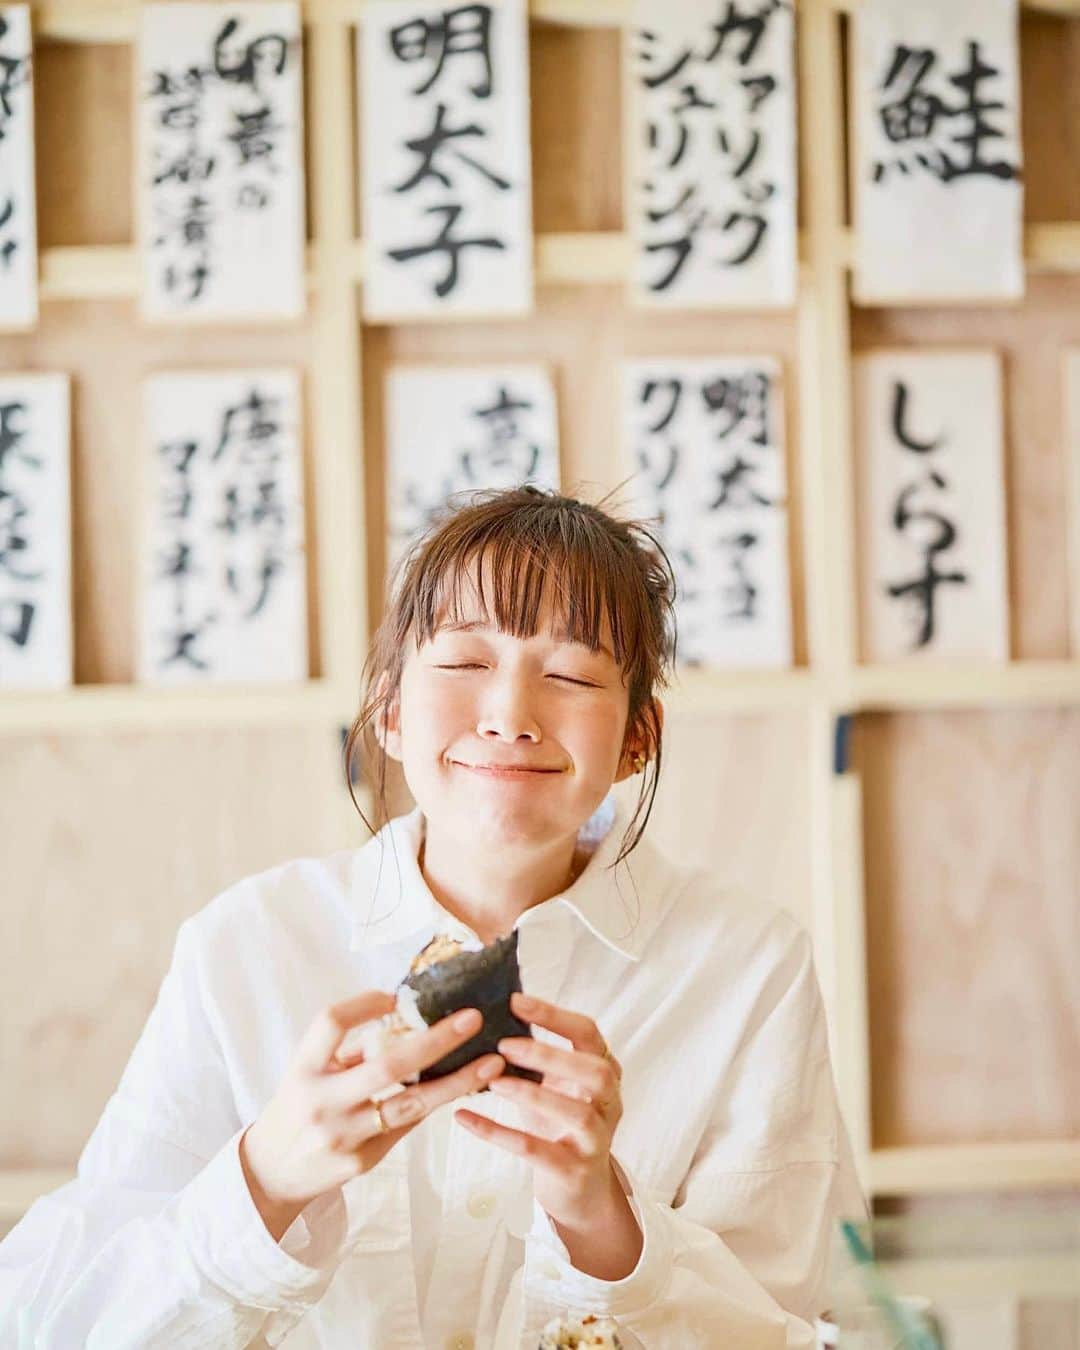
[[157, 1242], [741, 1256]]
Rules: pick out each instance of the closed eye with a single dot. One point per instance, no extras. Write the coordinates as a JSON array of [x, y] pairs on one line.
[[474, 665]]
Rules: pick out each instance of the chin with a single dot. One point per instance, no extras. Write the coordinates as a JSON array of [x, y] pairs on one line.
[[492, 818]]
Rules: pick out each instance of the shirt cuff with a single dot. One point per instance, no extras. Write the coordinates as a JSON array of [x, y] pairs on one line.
[[231, 1245], [550, 1277]]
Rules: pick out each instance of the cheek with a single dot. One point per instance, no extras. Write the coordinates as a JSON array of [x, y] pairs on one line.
[[598, 732], [433, 713]]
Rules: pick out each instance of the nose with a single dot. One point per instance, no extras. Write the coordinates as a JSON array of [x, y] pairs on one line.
[[506, 715]]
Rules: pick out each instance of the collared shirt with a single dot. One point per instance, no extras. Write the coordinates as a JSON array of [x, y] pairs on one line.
[[731, 1148]]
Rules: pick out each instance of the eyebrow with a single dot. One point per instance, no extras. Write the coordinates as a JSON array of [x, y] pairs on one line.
[[477, 626]]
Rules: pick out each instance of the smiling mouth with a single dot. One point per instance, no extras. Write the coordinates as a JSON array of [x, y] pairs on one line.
[[504, 770]]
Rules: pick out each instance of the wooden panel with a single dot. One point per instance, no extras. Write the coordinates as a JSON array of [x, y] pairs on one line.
[[1050, 115], [734, 797], [973, 923], [576, 128], [581, 333], [128, 836], [1031, 338], [82, 111], [100, 344]]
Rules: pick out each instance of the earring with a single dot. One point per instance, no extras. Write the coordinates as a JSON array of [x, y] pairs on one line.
[[639, 761]]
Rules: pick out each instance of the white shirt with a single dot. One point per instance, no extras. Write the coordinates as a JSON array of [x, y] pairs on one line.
[[731, 1147]]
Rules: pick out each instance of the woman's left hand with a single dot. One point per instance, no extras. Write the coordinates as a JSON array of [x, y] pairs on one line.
[[571, 1115]]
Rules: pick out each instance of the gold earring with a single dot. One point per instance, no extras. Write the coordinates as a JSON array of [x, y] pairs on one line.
[[639, 761]]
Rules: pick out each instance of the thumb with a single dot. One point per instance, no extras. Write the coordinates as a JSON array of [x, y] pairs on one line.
[[328, 1029]]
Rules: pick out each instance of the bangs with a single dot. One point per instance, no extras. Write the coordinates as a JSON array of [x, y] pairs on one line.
[[578, 569]]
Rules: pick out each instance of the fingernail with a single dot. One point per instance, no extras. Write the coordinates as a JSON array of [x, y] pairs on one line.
[[464, 1020], [489, 1069]]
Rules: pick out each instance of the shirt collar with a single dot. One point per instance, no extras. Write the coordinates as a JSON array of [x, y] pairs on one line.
[[391, 900]]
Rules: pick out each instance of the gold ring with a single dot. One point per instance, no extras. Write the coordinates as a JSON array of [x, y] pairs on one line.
[[383, 1127]]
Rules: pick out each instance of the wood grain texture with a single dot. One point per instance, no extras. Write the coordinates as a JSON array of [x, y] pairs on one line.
[[972, 858], [128, 836]]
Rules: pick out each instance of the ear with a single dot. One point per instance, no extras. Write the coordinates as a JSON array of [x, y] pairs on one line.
[[638, 743], [389, 737]]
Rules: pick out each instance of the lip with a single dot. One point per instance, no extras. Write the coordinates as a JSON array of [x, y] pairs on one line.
[[505, 770]]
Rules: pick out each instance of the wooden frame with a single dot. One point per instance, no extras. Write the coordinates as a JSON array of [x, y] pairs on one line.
[[831, 686]]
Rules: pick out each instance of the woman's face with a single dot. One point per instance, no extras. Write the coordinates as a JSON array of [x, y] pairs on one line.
[[515, 740]]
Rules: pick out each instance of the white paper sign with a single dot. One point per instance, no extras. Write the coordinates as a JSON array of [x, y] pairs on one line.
[[35, 533], [706, 437], [18, 210], [931, 506], [453, 429], [222, 593], [221, 178], [938, 198], [711, 187], [446, 173]]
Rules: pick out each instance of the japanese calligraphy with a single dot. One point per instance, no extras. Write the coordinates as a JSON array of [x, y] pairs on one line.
[[932, 514], [453, 430], [446, 169], [222, 188], [35, 547], [224, 589], [937, 142], [18, 218], [706, 441], [712, 203]]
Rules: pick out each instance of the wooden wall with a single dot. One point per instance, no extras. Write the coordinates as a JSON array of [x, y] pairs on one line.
[[971, 846]]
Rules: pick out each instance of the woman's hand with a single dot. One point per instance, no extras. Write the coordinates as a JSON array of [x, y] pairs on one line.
[[571, 1116], [321, 1128]]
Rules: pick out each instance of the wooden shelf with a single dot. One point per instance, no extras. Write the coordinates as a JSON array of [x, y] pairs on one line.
[[121, 707], [960, 1168], [1022, 684], [600, 258], [117, 20], [1034, 1165], [1018, 684], [697, 690]]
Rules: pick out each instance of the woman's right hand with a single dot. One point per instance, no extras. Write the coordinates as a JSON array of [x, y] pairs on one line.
[[320, 1128]]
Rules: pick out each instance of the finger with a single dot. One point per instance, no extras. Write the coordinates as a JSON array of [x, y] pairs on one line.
[[580, 1120], [412, 1052], [594, 1073], [408, 1107], [328, 1029], [541, 1152], [581, 1031]]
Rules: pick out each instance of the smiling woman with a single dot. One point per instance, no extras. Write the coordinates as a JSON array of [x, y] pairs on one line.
[[652, 1134], [516, 591]]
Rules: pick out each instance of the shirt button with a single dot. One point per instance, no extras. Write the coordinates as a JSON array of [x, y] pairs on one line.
[[462, 1341], [481, 1204]]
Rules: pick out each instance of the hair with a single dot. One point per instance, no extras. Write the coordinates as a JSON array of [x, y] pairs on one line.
[[598, 567]]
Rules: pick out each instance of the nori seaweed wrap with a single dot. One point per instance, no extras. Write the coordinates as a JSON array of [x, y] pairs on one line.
[[482, 979]]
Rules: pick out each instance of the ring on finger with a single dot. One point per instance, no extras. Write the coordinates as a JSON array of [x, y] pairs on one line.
[[383, 1127]]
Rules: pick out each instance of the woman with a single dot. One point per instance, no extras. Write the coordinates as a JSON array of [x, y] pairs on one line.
[[681, 1164]]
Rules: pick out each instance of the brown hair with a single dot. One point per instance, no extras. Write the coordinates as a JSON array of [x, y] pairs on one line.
[[598, 565]]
